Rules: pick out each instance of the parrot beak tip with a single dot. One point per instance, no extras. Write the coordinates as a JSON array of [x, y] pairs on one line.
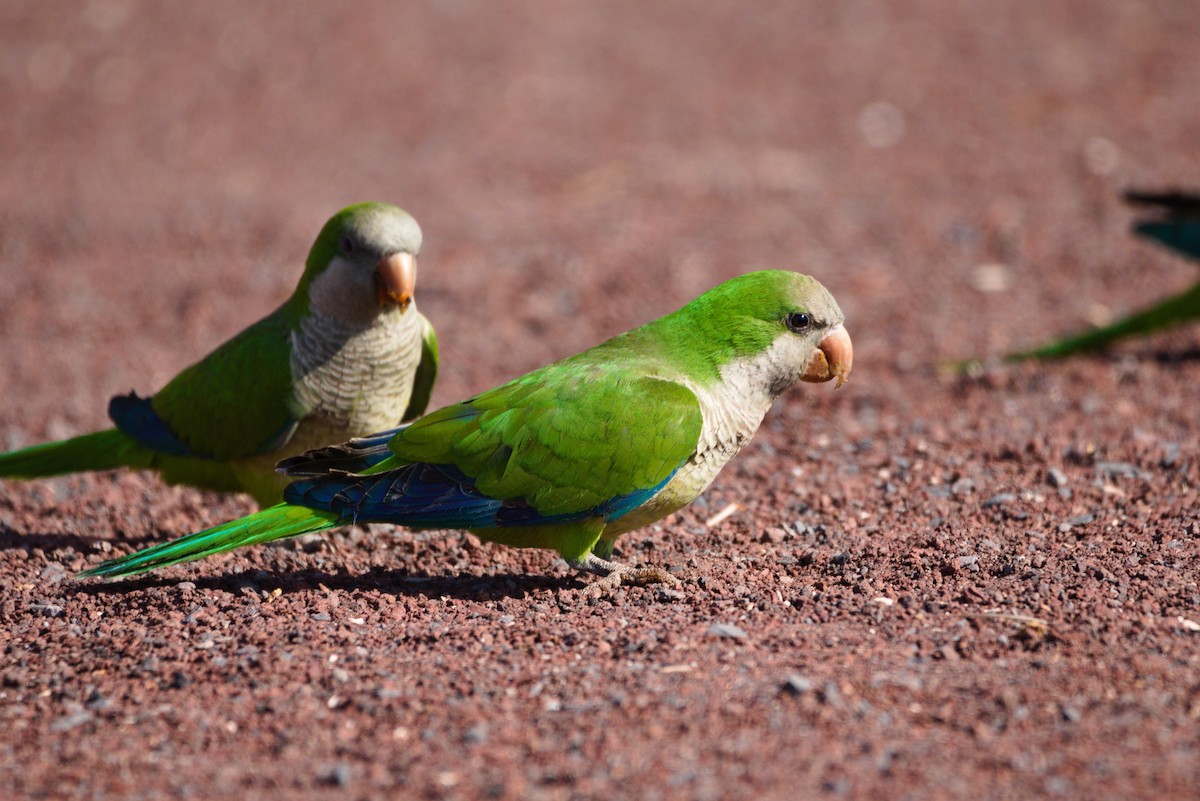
[[395, 280], [833, 358]]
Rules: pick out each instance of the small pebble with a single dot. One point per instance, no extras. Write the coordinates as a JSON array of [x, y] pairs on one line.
[[797, 684], [999, 500], [726, 631], [68, 722]]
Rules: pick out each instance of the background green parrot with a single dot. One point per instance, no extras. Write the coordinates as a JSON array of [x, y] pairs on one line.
[[347, 354], [574, 454], [1177, 226]]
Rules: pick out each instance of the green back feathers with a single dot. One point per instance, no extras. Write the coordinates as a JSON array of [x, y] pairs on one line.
[[238, 400], [548, 437]]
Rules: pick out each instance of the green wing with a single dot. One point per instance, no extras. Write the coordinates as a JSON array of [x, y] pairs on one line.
[[238, 400], [566, 438], [426, 373]]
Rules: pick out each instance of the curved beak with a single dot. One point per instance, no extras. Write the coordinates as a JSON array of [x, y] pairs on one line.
[[832, 359], [396, 279]]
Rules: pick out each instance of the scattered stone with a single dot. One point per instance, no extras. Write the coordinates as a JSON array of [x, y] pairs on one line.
[[1056, 477], [476, 735], [1171, 453], [999, 500], [1110, 470], [773, 535], [1077, 520], [964, 486], [726, 631], [72, 721], [797, 684], [830, 695], [337, 775]]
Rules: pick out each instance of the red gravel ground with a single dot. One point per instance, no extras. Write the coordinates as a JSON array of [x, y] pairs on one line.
[[931, 587]]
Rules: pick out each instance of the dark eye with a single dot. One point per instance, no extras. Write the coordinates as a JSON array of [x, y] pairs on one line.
[[798, 321], [347, 245]]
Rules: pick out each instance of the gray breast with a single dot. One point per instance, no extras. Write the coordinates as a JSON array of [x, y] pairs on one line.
[[355, 376]]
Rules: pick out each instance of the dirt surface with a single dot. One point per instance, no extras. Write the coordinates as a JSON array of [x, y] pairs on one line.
[[930, 588]]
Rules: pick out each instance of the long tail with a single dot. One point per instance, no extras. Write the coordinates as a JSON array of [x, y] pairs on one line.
[[277, 522], [103, 450], [1173, 311]]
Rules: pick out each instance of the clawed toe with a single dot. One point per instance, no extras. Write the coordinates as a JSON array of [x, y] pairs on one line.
[[615, 574]]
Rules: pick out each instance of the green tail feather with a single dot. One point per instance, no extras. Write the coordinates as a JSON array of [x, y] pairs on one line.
[[283, 520], [1171, 312], [103, 450]]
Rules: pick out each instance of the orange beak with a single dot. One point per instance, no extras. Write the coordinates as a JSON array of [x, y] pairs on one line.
[[833, 358], [396, 279]]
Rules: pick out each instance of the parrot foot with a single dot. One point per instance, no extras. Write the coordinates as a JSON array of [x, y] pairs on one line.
[[616, 574]]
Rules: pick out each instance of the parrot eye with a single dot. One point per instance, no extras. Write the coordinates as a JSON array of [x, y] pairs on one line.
[[347, 245], [798, 321]]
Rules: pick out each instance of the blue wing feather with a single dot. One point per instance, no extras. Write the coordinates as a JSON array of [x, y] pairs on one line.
[[439, 496], [135, 417], [1180, 235]]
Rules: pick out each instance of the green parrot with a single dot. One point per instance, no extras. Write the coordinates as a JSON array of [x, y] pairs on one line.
[[574, 454], [347, 354], [1178, 228]]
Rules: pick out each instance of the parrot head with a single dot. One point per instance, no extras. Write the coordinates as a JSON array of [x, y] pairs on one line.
[[776, 326], [363, 263]]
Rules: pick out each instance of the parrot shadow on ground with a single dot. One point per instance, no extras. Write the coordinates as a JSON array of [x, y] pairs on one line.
[[1165, 356], [394, 582], [490, 587], [13, 541]]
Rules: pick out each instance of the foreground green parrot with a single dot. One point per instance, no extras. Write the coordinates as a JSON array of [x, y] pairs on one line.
[[1177, 227], [572, 455], [347, 354]]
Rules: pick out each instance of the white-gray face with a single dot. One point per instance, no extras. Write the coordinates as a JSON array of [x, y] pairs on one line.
[[812, 345], [785, 363], [375, 242]]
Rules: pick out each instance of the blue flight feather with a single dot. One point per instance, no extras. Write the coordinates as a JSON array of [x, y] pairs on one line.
[[136, 418], [439, 496]]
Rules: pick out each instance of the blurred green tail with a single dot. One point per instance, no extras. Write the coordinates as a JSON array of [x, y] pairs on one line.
[[277, 522], [103, 450], [1171, 312]]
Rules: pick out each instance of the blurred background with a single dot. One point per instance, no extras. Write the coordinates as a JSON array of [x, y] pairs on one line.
[[944, 587], [951, 171]]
